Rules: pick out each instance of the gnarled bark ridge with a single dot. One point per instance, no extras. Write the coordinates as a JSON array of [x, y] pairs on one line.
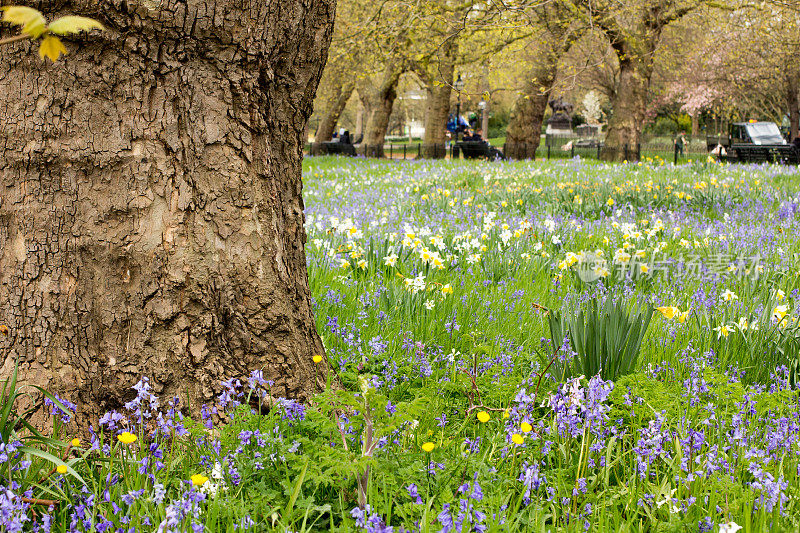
[[151, 220]]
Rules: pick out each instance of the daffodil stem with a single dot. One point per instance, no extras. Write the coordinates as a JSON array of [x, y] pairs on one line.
[[20, 37]]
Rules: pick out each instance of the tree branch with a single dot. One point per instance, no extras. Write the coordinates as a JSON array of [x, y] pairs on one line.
[[20, 37]]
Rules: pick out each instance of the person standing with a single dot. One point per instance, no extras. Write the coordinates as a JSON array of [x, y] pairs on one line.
[[680, 142]]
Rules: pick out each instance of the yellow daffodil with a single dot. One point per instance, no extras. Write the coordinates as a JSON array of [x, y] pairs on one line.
[[722, 331], [779, 312], [668, 312], [683, 316], [728, 296]]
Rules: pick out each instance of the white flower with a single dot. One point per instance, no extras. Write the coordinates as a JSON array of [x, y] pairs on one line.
[[210, 488], [429, 304], [779, 312], [556, 239], [390, 260], [416, 284], [728, 296], [729, 527], [666, 499]]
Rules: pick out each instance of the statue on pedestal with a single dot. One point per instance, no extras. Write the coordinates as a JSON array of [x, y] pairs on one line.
[[561, 121]]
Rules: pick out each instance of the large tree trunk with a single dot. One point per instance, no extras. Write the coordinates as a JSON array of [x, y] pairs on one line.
[[379, 101], [629, 106], [437, 108], [359, 119], [334, 105], [151, 220], [792, 103], [524, 132]]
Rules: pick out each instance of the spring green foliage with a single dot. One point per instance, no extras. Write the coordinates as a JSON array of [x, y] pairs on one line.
[[605, 335], [448, 407], [34, 26]]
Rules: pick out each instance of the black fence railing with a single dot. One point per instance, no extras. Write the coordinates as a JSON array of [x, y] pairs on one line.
[[387, 150], [551, 147]]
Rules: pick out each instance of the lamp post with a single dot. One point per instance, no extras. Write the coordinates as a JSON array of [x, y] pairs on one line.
[[459, 86]]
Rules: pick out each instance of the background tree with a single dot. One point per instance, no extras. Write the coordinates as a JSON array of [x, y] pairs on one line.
[[339, 85], [151, 220], [634, 30], [556, 31]]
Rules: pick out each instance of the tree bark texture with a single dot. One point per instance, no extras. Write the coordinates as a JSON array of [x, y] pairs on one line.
[[792, 103], [629, 106], [524, 131], [437, 107], [334, 105], [151, 218], [379, 101]]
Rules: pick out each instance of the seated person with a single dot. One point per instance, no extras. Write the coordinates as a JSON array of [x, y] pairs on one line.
[[473, 136], [345, 137]]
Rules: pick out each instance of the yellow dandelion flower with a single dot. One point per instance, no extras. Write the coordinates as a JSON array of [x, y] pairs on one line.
[[126, 438]]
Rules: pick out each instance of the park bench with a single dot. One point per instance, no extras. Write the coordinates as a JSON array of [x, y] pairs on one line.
[[333, 148], [478, 149]]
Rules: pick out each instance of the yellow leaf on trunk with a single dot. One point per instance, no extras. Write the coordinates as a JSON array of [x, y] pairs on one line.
[[73, 24], [51, 47]]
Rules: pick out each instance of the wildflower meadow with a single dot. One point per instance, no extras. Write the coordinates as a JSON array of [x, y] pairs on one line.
[[532, 346]]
